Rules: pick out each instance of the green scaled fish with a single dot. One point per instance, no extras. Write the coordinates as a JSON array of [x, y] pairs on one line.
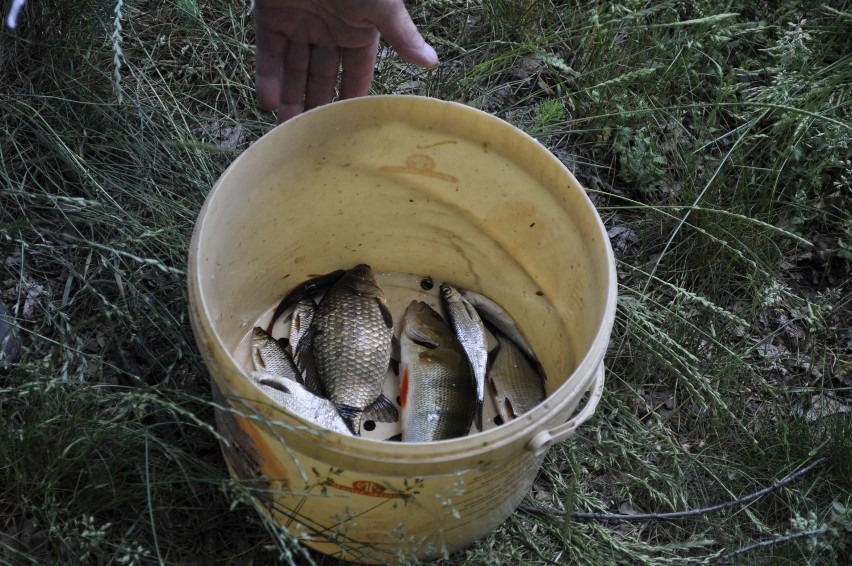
[[349, 340], [295, 398], [470, 331], [270, 356], [436, 388], [516, 384]]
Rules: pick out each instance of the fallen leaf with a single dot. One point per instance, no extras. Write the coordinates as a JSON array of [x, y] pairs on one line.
[[823, 406]]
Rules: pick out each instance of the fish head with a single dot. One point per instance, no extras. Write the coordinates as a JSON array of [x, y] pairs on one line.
[[260, 346], [360, 280], [447, 292], [361, 270], [269, 353], [361, 273], [425, 326]]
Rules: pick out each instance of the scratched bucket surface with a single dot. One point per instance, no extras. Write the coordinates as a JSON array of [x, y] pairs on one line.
[[410, 185]]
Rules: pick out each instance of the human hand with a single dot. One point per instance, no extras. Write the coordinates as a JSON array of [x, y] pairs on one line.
[[302, 44]]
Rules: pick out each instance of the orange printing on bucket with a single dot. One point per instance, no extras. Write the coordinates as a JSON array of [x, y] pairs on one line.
[[367, 487]]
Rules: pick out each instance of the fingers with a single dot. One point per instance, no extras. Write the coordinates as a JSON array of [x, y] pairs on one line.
[[358, 65], [269, 60], [325, 63], [294, 80], [398, 29]]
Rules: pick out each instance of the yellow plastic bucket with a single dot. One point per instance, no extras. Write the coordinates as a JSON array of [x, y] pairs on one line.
[[411, 185]]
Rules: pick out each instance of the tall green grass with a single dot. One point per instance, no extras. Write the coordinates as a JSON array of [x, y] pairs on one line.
[[713, 140]]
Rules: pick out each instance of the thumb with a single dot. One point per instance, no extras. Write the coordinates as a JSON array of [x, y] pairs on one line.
[[397, 28]]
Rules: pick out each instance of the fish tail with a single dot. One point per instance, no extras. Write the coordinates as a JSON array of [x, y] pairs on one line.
[[538, 367], [351, 416], [382, 410], [478, 414]]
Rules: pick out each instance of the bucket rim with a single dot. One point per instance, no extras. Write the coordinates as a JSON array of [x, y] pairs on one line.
[[549, 410]]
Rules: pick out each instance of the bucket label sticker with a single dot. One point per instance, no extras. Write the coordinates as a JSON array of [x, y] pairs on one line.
[[419, 164], [369, 488]]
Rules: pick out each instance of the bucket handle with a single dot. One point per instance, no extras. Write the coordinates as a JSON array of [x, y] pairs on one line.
[[541, 442]]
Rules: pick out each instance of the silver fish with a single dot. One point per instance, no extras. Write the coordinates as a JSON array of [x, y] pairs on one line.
[[436, 388], [295, 398], [516, 385], [350, 343], [494, 314], [300, 320], [471, 333], [270, 356]]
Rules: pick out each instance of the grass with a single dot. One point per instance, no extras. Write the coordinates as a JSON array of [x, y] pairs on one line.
[[715, 142]]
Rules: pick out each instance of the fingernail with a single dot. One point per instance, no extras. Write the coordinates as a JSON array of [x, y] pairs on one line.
[[430, 55]]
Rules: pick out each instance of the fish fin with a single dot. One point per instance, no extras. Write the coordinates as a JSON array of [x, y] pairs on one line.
[[305, 346], [470, 418], [510, 410], [403, 387], [396, 355], [396, 349], [420, 338], [382, 410], [313, 383], [386, 314], [351, 416], [471, 310], [492, 357], [272, 380], [425, 343], [395, 438], [306, 363], [274, 383], [538, 367], [446, 356]]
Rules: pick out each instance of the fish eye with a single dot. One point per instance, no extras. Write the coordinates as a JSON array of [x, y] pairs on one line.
[[426, 284]]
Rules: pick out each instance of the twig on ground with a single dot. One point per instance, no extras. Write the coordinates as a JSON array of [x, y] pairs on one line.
[[676, 514], [770, 542]]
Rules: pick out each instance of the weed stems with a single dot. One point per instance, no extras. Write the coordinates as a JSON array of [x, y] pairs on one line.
[[675, 514]]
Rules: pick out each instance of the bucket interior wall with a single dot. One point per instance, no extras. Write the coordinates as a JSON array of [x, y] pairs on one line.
[[456, 197]]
